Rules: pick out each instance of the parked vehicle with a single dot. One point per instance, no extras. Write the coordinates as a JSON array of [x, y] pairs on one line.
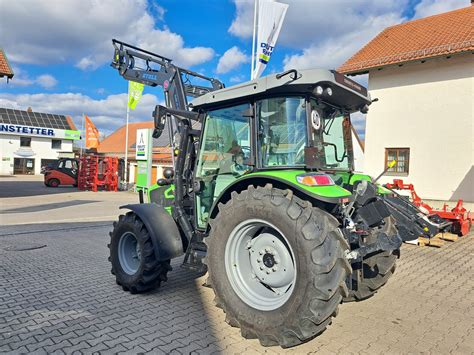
[[62, 172], [264, 194]]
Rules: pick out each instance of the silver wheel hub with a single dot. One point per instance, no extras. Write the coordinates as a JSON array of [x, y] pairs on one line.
[[271, 261], [260, 264], [129, 253]]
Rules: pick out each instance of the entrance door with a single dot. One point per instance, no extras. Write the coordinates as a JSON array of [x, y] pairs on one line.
[[23, 166]]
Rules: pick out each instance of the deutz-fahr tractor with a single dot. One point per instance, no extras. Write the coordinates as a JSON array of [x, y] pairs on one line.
[[263, 195]]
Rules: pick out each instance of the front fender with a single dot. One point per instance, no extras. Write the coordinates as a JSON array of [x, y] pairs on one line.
[[161, 227]]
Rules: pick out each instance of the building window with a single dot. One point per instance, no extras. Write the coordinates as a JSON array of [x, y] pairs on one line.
[[402, 158], [25, 141], [55, 144]]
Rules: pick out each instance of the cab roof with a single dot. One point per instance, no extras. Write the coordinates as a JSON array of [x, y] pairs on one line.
[[346, 93]]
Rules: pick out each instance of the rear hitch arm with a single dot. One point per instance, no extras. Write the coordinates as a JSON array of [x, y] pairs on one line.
[[383, 243]]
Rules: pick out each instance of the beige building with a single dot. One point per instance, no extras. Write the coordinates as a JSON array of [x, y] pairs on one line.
[[422, 73]]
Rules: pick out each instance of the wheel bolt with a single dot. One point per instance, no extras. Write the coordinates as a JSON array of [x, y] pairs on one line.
[[260, 252], [261, 268], [267, 250], [268, 272], [259, 260], [274, 269]]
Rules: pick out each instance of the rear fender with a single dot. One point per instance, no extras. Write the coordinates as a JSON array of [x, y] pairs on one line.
[[162, 228]]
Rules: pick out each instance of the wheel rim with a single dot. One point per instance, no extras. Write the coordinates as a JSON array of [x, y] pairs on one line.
[[260, 264], [129, 253]]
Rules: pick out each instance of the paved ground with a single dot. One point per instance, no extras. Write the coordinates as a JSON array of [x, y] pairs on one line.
[[61, 296]]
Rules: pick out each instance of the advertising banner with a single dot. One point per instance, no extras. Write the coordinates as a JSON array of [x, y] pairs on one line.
[[92, 134], [135, 91], [270, 19]]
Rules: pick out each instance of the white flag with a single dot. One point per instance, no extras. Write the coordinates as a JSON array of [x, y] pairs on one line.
[[270, 19]]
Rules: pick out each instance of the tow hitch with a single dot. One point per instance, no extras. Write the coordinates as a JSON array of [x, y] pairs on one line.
[[383, 243]]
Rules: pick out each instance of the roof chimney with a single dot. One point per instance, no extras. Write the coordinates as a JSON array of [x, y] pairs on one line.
[[29, 109]]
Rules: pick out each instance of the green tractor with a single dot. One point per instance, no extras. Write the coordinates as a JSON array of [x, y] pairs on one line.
[[262, 195]]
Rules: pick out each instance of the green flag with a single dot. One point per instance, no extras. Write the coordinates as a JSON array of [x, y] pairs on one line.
[[135, 91]]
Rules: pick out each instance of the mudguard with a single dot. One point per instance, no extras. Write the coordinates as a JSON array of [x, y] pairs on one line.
[[162, 228]]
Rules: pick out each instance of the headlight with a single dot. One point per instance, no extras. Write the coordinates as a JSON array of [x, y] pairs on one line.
[[329, 91], [319, 90]]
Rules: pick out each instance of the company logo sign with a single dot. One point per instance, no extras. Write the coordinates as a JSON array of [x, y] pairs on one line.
[[21, 130], [37, 131], [267, 51], [142, 150]]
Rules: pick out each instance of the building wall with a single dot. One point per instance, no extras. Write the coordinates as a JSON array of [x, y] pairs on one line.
[[427, 107], [40, 149]]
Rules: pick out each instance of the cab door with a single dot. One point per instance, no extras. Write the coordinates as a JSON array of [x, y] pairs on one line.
[[225, 148]]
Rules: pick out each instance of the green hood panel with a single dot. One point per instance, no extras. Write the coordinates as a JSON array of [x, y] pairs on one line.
[[289, 177]]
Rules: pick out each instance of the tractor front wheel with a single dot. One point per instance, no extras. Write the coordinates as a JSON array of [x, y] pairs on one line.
[[277, 265], [132, 256]]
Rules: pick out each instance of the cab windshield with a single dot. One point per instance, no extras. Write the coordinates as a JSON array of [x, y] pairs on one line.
[[283, 133]]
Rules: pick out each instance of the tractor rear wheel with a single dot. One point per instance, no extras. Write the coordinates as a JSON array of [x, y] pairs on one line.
[[277, 265], [376, 268], [132, 256]]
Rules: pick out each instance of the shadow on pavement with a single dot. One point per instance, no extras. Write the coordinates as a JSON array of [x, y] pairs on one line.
[[31, 188], [48, 206]]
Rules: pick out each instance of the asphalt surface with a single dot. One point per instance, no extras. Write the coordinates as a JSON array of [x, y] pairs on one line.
[[57, 294]]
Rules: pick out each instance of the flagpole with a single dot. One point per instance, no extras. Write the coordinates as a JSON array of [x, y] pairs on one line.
[[82, 132], [253, 38], [126, 140]]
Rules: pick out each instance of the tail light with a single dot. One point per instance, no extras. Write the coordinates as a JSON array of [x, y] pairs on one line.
[[315, 179]]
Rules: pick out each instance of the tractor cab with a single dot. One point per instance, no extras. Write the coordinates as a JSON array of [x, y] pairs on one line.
[[280, 126]]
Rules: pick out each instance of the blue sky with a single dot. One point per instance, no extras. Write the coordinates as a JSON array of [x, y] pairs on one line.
[[60, 50]]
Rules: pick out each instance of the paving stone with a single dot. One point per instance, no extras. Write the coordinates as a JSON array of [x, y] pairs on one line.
[[63, 299]]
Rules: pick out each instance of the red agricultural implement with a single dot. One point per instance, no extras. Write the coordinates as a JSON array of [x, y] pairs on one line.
[[460, 217], [98, 173]]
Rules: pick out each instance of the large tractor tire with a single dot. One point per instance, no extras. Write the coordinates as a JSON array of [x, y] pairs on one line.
[[132, 256], [277, 265], [376, 268]]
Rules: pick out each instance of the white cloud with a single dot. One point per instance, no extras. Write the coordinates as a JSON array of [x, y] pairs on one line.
[[107, 114], [326, 33], [22, 79], [231, 60], [80, 31], [242, 24], [46, 81], [237, 79], [432, 7]]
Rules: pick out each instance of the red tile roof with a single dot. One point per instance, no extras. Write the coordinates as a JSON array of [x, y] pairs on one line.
[[443, 34], [5, 69], [115, 143]]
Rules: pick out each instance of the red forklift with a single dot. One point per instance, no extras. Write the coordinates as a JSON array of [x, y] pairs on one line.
[[62, 172]]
